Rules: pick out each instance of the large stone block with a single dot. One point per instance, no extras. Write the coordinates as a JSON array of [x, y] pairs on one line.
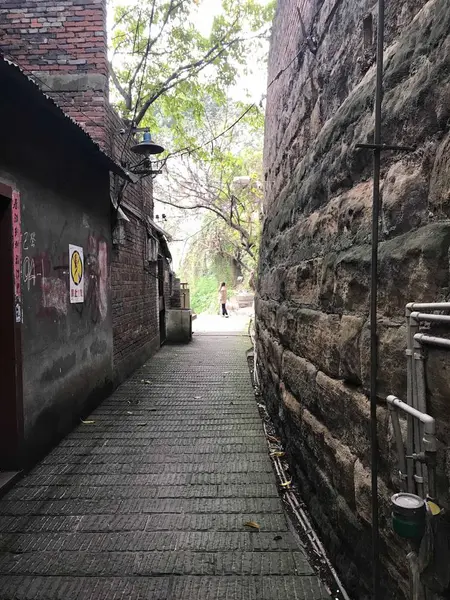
[[271, 284], [299, 375], [349, 348], [266, 311], [312, 335], [405, 198], [329, 454], [439, 200], [391, 358], [345, 411], [413, 266], [270, 348], [302, 282]]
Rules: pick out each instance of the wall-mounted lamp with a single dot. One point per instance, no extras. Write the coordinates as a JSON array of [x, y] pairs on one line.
[[145, 148]]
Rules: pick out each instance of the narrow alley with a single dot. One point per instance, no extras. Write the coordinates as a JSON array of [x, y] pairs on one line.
[[148, 497]]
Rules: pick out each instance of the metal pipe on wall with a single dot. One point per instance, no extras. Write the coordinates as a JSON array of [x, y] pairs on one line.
[[417, 446], [400, 447], [409, 390], [376, 205], [432, 340], [427, 420], [415, 306], [421, 397], [418, 316], [428, 441]]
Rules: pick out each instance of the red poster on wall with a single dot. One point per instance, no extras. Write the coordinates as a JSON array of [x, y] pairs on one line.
[[17, 253]]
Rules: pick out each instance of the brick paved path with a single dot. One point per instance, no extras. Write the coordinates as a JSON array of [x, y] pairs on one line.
[[150, 500]]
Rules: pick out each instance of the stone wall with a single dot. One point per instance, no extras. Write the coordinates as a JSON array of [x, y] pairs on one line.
[[313, 284]]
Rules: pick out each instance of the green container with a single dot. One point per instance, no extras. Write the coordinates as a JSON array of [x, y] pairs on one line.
[[405, 528], [408, 515]]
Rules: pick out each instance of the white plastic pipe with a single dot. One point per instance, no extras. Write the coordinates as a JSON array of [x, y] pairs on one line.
[[428, 421], [412, 306], [418, 316], [432, 340]]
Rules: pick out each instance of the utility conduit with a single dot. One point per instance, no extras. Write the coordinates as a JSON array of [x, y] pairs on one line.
[[293, 502]]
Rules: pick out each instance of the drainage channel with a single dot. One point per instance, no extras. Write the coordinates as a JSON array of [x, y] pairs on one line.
[[294, 507]]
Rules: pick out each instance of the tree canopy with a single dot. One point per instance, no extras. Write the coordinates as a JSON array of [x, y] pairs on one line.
[[163, 67]]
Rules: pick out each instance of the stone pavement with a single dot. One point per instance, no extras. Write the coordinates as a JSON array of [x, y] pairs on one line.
[[150, 500]]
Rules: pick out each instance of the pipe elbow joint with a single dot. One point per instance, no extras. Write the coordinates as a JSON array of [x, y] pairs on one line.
[[429, 425]]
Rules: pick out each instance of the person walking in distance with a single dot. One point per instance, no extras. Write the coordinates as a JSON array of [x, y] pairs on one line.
[[223, 299]]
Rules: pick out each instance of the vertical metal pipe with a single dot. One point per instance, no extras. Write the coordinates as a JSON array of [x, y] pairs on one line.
[[417, 428], [400, 446], [409, 388], [421, 404], [374, 305]]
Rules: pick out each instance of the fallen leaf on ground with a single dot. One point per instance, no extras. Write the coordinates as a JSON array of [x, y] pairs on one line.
[[252, 524], [286, 483], [87, 422], [129, 412], [277, 453]]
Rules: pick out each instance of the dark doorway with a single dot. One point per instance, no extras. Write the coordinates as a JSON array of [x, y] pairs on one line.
[[162, 305], [10, 352]]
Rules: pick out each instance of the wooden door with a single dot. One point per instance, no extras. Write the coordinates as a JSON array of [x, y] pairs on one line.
[[11, 418]]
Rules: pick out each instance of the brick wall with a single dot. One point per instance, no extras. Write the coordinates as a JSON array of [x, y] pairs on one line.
[[63, 42], [134, 279]]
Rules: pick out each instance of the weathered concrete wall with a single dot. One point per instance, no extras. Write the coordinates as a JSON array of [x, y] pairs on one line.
[[313, 285], [67, 348]]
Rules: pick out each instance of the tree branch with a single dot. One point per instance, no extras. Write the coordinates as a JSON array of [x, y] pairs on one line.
[[119, 87], [192, 68]]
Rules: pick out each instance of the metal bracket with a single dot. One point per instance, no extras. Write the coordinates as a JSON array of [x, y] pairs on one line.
[[418, 479]]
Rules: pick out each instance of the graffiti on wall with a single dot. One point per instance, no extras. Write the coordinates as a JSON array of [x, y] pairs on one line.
[[55, 277], [96, 279]]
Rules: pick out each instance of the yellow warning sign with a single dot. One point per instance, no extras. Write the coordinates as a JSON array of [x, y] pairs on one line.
[[76, 267]]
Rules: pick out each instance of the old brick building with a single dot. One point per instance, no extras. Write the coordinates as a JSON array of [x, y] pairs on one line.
[[63, 43], [313, 289]]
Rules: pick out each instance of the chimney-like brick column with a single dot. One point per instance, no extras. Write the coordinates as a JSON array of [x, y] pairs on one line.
[[63, 43]]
